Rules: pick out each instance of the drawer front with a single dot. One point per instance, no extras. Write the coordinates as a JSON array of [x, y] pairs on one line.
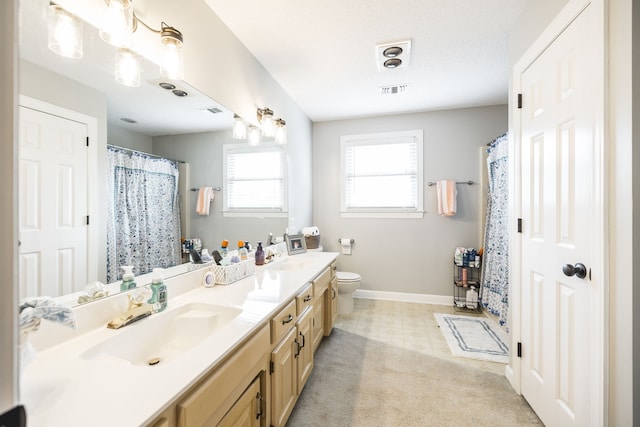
[[334, 269], [304, 298], [282, 322], [321, 283]]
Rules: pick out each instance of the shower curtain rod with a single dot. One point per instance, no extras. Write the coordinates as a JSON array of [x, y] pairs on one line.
[[155, 156], [429, 184]]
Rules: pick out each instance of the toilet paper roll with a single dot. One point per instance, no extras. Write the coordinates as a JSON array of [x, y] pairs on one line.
[[345, 243]]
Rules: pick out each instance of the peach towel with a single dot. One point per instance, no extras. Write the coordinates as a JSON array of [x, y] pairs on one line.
[[205, 196], [446, 193]]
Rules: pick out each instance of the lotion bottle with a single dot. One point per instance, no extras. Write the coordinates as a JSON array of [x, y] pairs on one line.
[[259, 255], [158, 298]]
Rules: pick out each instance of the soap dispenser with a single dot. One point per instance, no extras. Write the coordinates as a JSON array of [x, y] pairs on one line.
[[127, 278], [259, 256], [158, 298]]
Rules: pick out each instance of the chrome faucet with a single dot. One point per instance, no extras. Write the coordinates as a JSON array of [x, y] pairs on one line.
[[138, 309]]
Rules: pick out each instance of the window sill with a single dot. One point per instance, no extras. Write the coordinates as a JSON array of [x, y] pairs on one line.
[[390, 215], [239, 214]]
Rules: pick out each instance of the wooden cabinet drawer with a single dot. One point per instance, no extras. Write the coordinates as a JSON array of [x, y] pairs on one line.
[[321, 283], [282, 322], [304, 299]]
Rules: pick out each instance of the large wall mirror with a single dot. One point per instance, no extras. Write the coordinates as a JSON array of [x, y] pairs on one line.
[[168, 119]]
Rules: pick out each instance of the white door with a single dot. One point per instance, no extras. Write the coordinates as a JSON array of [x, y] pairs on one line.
[[52, 204], [558, 140]]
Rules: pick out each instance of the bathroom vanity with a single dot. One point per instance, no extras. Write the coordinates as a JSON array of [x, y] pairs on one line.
[[238, 354]]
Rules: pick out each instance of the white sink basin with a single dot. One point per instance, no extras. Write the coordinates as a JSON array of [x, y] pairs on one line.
[[163, 336], [289, 264]]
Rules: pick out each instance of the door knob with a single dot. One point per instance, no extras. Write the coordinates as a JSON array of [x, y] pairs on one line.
[[579, 270]]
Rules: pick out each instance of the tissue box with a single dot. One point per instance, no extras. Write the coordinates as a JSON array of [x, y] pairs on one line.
[[225, 275], [312, 242]]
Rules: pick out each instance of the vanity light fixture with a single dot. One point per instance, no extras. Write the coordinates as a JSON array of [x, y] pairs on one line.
[[64, 32], [239, 127], [127, 68], [120, 24], [254, 136], [281, 132], [265, 118]]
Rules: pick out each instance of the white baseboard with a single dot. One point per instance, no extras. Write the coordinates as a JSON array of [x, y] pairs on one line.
[[404, 297]]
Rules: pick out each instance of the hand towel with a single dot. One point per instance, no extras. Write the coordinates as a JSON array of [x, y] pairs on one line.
[[205, 196], [446, 193], [35, 308]]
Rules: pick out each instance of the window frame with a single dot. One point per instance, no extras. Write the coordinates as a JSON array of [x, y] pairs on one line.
[[396, 137], [281, 212]]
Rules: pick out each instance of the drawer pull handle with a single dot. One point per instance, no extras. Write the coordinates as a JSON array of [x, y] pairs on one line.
[[307, 298], [302, 335], [287, 320]]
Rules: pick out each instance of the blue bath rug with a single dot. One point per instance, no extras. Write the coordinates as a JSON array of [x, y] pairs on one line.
[[474, 337]]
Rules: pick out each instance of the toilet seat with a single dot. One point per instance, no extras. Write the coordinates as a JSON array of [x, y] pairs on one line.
[[346, 276]]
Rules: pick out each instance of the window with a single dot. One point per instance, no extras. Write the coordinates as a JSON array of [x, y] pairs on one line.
[[254, 181], [382, 175]]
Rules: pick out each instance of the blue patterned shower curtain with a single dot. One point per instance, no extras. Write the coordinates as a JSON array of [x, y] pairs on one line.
[[143, 215], [495, 274]]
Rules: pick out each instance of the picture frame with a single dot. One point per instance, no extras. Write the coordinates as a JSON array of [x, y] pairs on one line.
[[296, 244]]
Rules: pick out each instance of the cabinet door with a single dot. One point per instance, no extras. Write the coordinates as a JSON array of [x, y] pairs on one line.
[[305, 344], [284, 379], [318, 320], [331, 306], [247, 411]]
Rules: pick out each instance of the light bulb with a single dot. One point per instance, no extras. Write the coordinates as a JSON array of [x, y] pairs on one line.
[[118, 25], [281, 132], [65, 33], [171, 64], [267, 124], [239, 128], [254, 136], [127, 68]]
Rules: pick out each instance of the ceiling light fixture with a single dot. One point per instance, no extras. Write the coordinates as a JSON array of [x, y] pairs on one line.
[[281, 132], [265, 118], [239, 127], [64, 32], [394, 55], [121, 22]]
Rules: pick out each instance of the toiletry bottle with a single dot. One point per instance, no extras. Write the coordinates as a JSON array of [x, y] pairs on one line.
[[472, 298], [158, 298], [259, 254], [127, 278], [224, 249], [465, 275], [242, 251]]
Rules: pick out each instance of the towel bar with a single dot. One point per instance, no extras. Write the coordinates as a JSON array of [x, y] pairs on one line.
[[214, 189]]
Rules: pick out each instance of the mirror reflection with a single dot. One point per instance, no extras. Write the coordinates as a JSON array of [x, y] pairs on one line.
[[64, 102]]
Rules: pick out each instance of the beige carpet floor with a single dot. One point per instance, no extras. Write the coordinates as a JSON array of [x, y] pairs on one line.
[[357, 381]]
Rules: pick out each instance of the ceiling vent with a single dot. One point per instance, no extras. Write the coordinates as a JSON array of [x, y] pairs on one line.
[[393, 89], [214, 110], [392, 56]]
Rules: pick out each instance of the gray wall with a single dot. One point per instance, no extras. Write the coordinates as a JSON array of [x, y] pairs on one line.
[[408, 255], [203, 152], [128, 139]]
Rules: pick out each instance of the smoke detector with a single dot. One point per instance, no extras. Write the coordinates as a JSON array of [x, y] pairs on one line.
[[393, 89], [394, 55]]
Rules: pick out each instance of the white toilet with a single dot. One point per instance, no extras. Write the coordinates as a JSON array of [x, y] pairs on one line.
[[347, 285]]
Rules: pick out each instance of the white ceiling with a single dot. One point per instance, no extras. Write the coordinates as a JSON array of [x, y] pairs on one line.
[[322, 53]]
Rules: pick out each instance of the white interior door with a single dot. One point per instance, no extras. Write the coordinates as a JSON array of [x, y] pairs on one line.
[[558, 140], [53, 204]]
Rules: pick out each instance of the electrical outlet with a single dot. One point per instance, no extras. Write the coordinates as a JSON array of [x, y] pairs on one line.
[[291, 225]]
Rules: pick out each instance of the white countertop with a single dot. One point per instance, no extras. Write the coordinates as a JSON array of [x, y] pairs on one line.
[[59, 388]]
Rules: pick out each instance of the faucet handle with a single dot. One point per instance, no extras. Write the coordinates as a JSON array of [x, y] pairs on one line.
[[139, 296]]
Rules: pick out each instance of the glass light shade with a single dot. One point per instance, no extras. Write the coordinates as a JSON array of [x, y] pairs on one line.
[[118, 25], [254, 136], [239, 128], [127, 68], [171, 64], [268, 125], [65, 33], [281, 132]]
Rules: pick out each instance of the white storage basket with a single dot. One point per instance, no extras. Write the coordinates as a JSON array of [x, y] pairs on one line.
[[225, 275]]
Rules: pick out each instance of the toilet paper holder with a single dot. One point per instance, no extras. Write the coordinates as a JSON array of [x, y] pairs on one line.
[[352, 241]]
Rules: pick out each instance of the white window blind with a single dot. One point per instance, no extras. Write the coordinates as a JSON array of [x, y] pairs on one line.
[[382, 172], [254, 179]]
